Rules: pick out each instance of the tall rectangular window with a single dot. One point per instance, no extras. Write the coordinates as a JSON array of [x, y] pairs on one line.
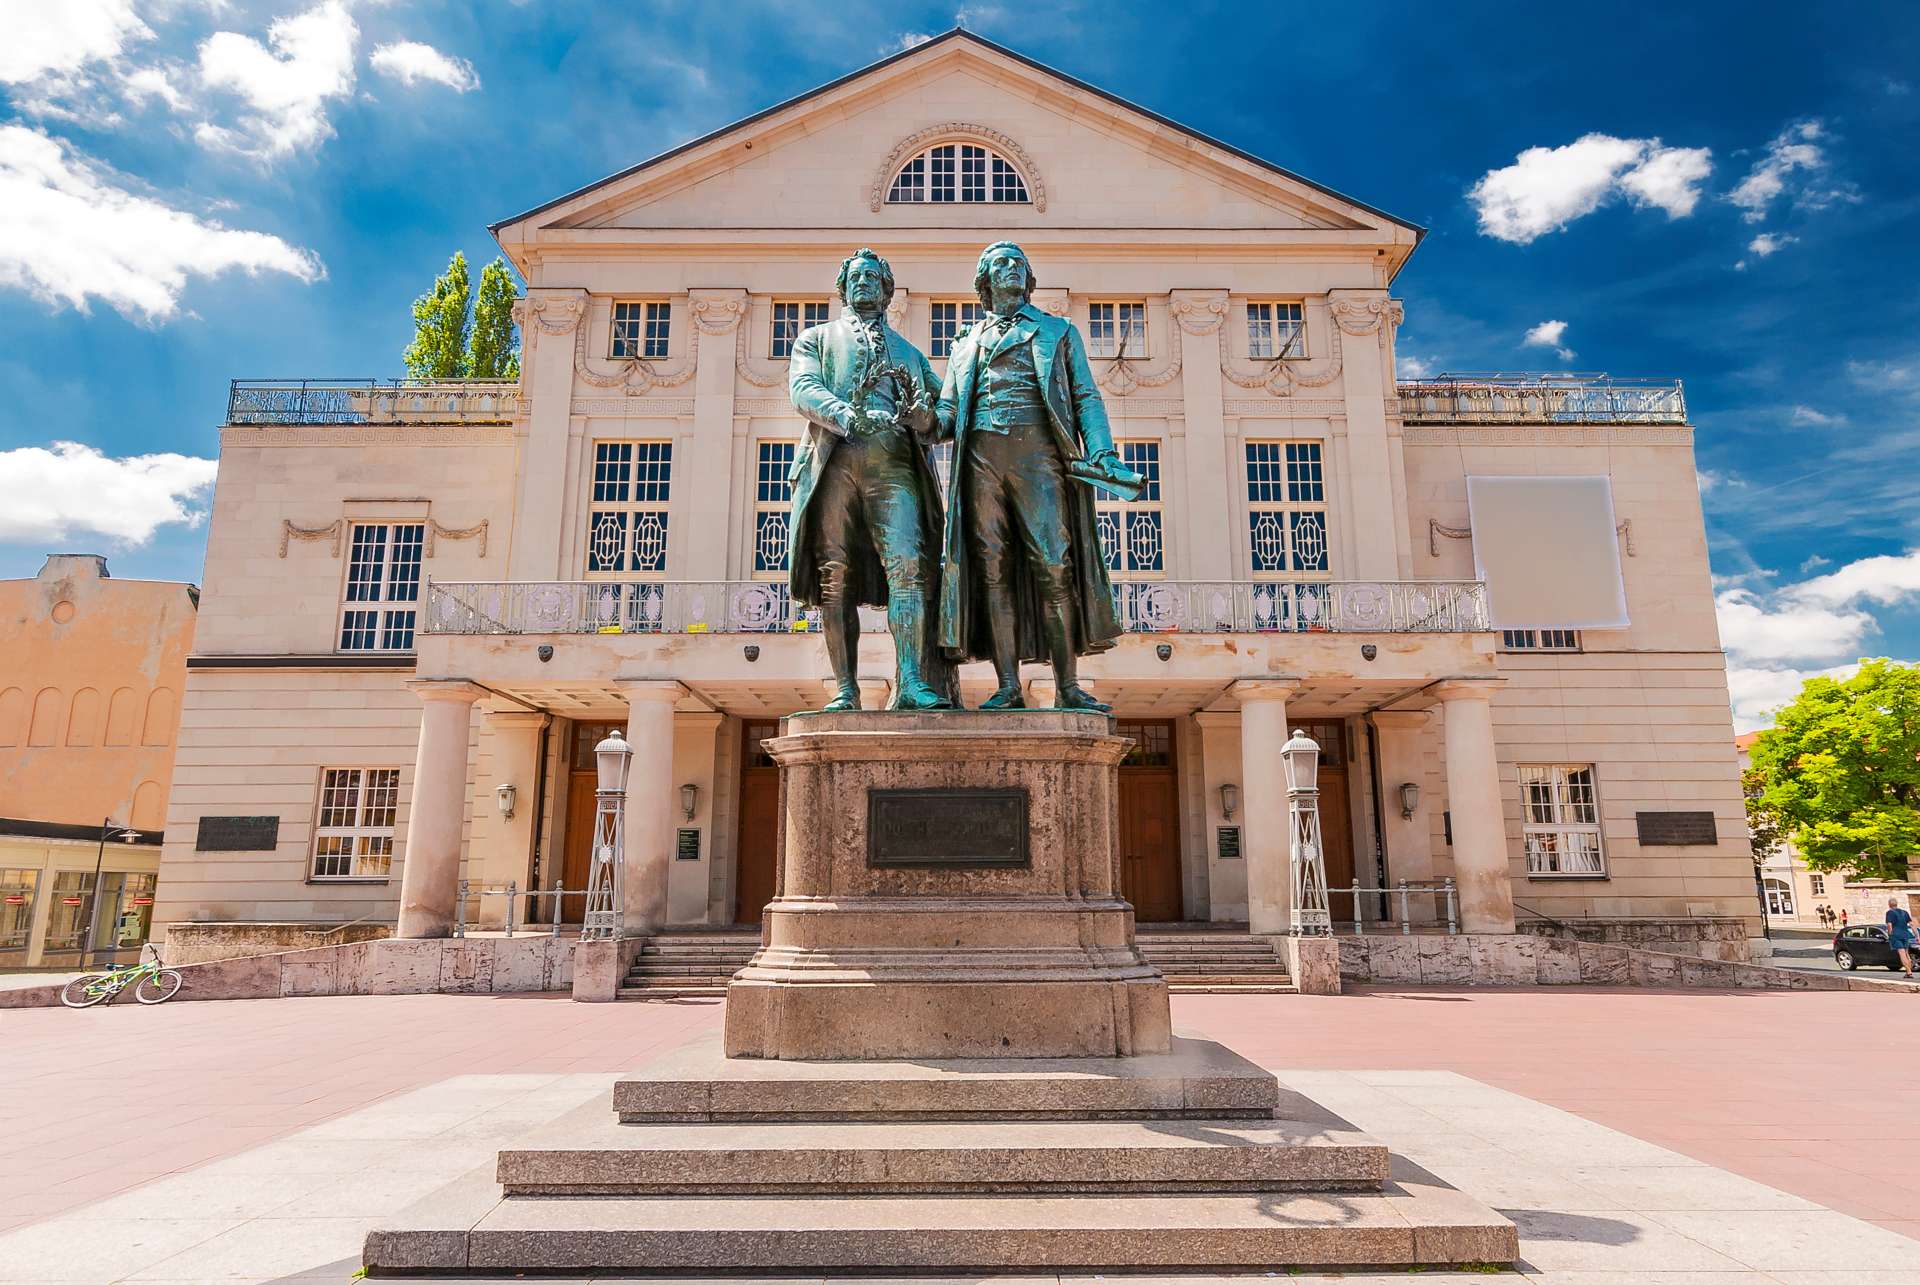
[[790, 317], [1132, 533], [1817, 885], [627, 520], [641, 328], [772, 500], [1275, 330], [1286, 511], [353, 831], [1540, 639], [1117, 329], [1560, 819], [949, 315], [19, 890], [383, 572]]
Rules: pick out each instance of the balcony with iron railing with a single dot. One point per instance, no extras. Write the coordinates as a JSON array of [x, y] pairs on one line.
[[1537, 397], [371, 401], [764, 607]]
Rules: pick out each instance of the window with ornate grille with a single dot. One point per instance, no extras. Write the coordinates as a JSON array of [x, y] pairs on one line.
[[627, 522], [1275, 330], [1286, 511], [772, 502], [964, 173], [1560, 815], [383, 586], [641, 328], [1117, 328], [1132, 533], [353, 833], [1540, 639], [949, 315], [790, 317]]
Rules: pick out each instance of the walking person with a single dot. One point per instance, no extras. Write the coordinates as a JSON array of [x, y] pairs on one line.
[[1900, 934]]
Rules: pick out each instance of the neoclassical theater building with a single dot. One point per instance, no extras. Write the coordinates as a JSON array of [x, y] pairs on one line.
[[425, 604]]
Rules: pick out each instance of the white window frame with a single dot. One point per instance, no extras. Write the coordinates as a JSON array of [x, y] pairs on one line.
[[626, 508], [1276, 330], [1300, 478], [1115, 518], [772, 504], [1109, 319], [383, 605], [1550, 852], [946, 318], [799, 314], [967, 173], [1562, 640], [1779, 895], [369, 835], [642, 330], [1816, 884]]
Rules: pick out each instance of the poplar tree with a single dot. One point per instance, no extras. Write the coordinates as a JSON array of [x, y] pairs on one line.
[[492, 350], [438, 350]]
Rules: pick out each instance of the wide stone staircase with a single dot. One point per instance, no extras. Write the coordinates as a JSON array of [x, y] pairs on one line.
[[1199, 960]]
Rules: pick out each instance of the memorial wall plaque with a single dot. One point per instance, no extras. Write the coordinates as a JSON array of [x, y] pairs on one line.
[[1229, 842], [947, 828], [238, 834], [687, 845], [1676, 829]]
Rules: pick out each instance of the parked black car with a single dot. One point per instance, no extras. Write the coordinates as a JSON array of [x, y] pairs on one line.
[[1865, 944]]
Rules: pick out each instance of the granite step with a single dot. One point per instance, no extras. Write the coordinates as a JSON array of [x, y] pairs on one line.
[[1195, 1079], [471, 1227]]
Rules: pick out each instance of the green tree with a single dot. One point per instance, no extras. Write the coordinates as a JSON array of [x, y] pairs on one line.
[[455, 335], [1764, 827], [492, 350], [1842, 770]]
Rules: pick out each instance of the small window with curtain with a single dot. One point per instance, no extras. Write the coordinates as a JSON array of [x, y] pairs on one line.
[[1275, 330], [1117, 329], [1540, 640], [353, 831], [950, 316], [790, 317], [641, 328], [1132, 532], [383, 586], [1560, 819], [772, 505]]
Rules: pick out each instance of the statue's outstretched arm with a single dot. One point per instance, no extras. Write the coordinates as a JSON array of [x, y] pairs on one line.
[[807, 387]]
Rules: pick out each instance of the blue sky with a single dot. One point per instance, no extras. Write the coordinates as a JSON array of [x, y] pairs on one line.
[[192, 191]]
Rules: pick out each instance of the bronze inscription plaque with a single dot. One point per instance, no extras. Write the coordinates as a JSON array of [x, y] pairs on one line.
[[1676, 829], [947, 828], [237, 834]]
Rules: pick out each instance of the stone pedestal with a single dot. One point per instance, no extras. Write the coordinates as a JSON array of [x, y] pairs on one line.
[[893, 940]]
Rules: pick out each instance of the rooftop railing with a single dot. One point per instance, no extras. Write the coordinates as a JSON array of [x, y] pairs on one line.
[[762, 607], [1534, 397], [371, 401]]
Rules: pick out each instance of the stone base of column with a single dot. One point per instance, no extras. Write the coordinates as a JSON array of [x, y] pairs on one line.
[[895, 934]]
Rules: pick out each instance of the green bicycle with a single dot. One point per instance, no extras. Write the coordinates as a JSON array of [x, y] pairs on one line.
[[152, 983]]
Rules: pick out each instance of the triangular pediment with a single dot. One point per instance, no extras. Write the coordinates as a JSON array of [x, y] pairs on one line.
[[824, 160]]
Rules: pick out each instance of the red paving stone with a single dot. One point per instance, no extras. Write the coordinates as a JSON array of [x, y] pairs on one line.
[[1812, 1093]]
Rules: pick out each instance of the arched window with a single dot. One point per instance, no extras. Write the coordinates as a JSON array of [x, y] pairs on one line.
[[1779, 897], [962, 173]]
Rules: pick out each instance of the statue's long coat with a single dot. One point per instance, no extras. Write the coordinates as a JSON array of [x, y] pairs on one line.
[[826, 366], [1078, 420]]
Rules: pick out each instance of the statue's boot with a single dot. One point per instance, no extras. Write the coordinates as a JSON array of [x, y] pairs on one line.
[[908, 621], [1067, 691], [1006, 651], [842, 625]]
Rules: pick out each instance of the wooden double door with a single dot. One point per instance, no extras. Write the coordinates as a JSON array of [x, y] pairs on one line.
[[1149, 823]]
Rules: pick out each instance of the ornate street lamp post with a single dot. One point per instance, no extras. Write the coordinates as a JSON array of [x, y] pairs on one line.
[[605, 903], [1306, 867]]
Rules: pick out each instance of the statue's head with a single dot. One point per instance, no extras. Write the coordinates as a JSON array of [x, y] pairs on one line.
[[1003, 264], [865, 281]]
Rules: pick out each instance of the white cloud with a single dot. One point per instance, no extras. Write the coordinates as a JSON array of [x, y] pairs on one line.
[[1881, 375], [54, 38], [909, 39], [69, 233], [1794, 148], [1408, 366], [1546, 188], [1784, 628], [1817, 418], [1768, 243], [70, 489], [154, 82], [1887, 579], [287, 86], [1756, 695], [1548, 334], [410, 62], [1814, 562]]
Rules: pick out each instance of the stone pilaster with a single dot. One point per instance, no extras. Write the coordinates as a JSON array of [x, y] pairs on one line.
[[1263, 801], [1480, 864]]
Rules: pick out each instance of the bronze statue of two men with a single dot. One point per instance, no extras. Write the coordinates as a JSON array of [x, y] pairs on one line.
[[1012, 570]]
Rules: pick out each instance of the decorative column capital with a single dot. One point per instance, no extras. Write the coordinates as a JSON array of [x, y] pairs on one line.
[[1054, 300], [717, 312], [1264, 689], [556, 312], [1199, 312], [1362, 312], [447, 689], [1459, 689], [650, 689]]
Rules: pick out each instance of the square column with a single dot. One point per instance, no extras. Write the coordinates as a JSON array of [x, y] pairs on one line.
[[1480, 865], [653, 803], [1263, 801], [503, 847], [1401, 741], [430, 872]]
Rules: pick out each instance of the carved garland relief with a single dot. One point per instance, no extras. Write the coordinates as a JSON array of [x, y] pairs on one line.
[[334, 530]]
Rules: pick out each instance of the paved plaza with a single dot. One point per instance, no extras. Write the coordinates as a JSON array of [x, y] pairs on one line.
[[1674, 1138]]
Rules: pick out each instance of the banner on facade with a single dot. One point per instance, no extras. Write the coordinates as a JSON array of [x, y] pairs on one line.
[[1549, 552]]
